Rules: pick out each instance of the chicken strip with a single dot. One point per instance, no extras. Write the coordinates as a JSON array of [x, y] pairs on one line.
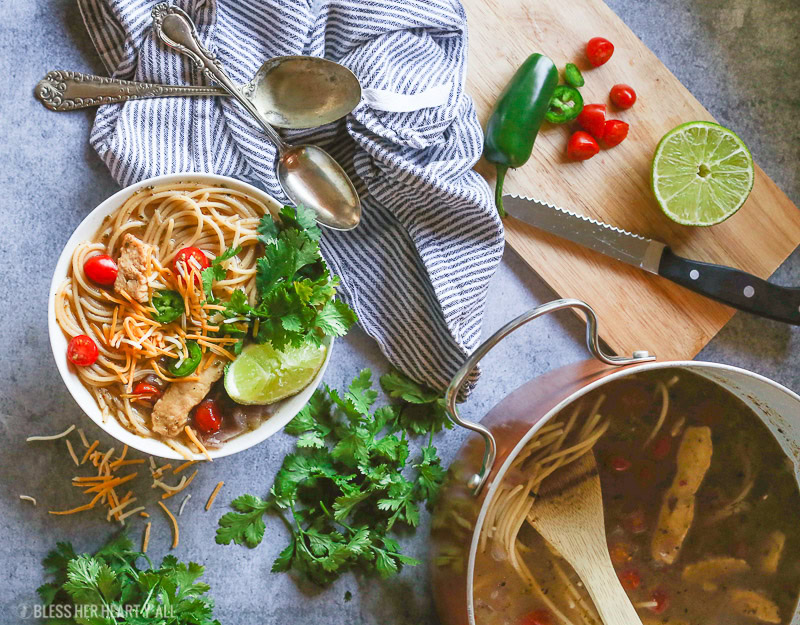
[[677, 507], [709, 571], [754, 605], [132, 268], [771, 551], [171, 412]]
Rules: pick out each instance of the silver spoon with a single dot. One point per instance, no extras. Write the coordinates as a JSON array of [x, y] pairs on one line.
[[308, 174], [289, 91]]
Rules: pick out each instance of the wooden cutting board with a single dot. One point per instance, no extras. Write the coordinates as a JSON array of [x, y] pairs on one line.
[[637, 310]]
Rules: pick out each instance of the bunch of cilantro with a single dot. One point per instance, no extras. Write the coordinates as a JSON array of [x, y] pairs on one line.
[[108, 588], [351, 481], [296, 291]]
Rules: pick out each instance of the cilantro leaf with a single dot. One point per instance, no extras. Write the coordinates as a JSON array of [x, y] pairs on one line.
[[245, 526]]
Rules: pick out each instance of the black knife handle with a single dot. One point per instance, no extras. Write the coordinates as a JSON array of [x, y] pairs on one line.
[[733, 287]]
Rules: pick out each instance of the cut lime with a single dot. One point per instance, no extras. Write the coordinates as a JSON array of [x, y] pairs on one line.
[[702, 173], [262, 374]]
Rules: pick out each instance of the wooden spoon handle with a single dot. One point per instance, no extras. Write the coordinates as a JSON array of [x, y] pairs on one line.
[[606, 591]]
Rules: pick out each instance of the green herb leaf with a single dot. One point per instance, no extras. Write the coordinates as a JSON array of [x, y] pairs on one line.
[[245, 527]]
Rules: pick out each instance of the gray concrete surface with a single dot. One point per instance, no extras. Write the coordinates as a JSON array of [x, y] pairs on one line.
[[739, 57]]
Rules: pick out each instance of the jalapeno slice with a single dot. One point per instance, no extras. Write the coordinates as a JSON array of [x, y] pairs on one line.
[[573, 75], [168, 305], [189, 364], [565, 105]]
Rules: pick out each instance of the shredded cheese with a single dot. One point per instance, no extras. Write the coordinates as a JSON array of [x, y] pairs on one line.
[[30, 439], [72, 452], [183, 484], [146, 537], [28, 498], [183, 503], [193, 437], [83, 438], [185, 465], [174, 521], [89, 451], [213, 495]]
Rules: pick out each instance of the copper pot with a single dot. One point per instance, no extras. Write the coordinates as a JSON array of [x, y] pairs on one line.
[[482, 462]]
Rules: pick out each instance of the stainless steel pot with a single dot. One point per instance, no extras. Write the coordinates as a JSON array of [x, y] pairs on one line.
[[482, 462]]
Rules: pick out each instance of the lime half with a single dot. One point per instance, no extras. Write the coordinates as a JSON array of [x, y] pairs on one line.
[[262, 374], [702, 173]]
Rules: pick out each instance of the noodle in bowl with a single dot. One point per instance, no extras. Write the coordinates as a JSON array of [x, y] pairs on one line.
[[212, 212]]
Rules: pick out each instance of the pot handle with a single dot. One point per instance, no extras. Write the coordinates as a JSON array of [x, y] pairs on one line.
[[477, 481]]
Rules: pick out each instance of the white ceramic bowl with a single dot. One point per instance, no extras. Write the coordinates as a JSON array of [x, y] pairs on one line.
[[58, 341]]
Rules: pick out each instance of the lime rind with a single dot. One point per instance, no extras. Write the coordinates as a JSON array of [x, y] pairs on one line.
[[702, 173]]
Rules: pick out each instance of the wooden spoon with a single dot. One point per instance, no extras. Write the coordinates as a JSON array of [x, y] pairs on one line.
[[568, 513]]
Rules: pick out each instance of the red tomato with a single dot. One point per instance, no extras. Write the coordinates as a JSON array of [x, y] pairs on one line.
[[623, 96], [207, 417], [618, 463], [537, 617], [630, 579], [101, 269], [614, 132], [620, 553], [635, 522], [599, 50], [147, 392], [82, 351], [582, 146], [661, 598], [661, 447], [190, 258], [593, 119]]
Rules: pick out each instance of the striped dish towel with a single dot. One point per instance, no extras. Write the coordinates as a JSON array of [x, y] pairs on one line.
[[417, 268]]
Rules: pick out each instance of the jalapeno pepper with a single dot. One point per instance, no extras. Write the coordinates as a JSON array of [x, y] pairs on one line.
[[565, 105], [517, 116], [573, 75], [189, 364]]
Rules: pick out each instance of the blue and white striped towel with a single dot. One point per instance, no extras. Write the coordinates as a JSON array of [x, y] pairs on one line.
[[417, 268]]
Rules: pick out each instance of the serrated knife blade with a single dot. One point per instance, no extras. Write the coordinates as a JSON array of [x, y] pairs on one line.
[[730, 286]]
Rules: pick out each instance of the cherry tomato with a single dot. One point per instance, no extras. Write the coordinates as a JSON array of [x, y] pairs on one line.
[[82, 351], [537, 617], [630, 579], [614, 132], [623, 96], [147, 392], [599, 50], [618, 463], [582, 146], [183, 265], [620, 553], [661, 447], [101, 269], [207, 417], [635, 522], [593, 119], [661, 598]]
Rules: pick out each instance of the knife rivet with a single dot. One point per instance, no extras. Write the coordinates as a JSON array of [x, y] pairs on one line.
[[749, 291], [694, 274]]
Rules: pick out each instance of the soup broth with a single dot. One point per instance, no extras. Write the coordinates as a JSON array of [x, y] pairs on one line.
[[702, 512]]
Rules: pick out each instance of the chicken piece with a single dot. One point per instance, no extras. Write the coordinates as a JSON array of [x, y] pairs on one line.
[[677, 507], [771, 551], [171, 412], [754, 605], [132, 268], [707, 572]]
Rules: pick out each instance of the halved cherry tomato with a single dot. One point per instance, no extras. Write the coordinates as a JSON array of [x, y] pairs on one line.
[[630, 579], [82, 351], [614, 132], [101, 269], [599, 50], [661, 599], [190, 258], [619, 463], [147, 392], [623, 96], [537, 617], [593, 119], [582, 146], [207, 417], [661, 447]]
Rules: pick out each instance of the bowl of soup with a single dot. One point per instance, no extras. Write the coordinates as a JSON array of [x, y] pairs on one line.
[[698, 465]]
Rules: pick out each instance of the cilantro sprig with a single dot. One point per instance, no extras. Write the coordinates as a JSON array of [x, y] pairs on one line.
[[352, 481], [109, 588]]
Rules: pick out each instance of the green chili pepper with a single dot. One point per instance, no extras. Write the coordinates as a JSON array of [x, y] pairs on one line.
[[565, 105], [573, 75], [168, 305], [517, 116], [189, 364]]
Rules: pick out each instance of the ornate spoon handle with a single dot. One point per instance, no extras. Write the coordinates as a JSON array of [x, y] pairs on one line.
[[65, 91]]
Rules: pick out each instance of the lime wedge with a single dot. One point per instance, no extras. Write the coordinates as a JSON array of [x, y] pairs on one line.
[[702, 173], [261, 374]]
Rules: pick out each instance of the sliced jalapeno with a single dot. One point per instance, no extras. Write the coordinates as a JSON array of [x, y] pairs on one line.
[[190, 363], [168, 305], [573, 75], [565, 105]]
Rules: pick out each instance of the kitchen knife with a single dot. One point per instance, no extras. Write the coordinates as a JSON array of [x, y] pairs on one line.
[[725, 284]]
